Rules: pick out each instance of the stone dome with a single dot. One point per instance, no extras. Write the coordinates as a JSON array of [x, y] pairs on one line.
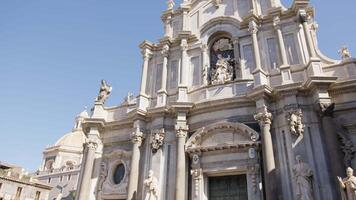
[[73, 139]]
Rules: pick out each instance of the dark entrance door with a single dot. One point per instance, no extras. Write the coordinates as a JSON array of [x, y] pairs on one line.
[[228, 188]]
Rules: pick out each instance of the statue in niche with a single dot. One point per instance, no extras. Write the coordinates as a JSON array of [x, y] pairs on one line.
[[157, 140], [296, 125], [151, 184], [345, 53], [303, 178], [104, 92], [222, 62], [103, 175], [348, 185]]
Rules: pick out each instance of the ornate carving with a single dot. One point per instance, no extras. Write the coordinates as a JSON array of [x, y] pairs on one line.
[[104, 92], [181, 131], [303, 178], [344, 53], [165, 51], [196, 175], [295, 119], [146, 54], [151, 184], [91, 144], [137, 136], [103, 175], [347, 146], [276, 22], [264, 117], [157, 140], [327, 109], [217, 2], [303, 15], [253, 27], [184, 45], [255, 171], [348, 185], [195, 159]]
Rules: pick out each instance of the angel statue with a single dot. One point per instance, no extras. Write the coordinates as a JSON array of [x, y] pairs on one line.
[[104, 92], [151, 183]]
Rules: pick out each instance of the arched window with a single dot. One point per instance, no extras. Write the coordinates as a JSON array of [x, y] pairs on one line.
[[222, 61], [119, 174]]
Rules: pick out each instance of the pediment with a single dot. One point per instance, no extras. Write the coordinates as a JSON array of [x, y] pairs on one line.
[[222, 135]]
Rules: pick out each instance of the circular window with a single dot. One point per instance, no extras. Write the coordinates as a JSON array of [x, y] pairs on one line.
[[119, 173]]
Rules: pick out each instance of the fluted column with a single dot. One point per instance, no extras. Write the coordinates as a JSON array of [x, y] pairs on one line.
[[258, 74], [181, 134], [265, 120], [304, 20], [90, 147], [137, 137]]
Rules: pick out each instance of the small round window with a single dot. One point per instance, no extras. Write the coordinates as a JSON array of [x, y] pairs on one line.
[[119, 173]]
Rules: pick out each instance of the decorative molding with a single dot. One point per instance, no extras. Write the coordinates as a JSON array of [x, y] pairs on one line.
[[295, 122], [181, 131], [137, 137], [157, 139], [264, 117]]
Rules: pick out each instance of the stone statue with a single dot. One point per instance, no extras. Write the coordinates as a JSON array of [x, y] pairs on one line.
[[170, 4], [348, 185], [345, 53], [303, 179], [222, 72], [217, 3], [151, 183], [104, 92]]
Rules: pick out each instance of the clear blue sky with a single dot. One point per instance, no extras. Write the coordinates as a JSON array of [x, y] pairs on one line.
[[53, 55]]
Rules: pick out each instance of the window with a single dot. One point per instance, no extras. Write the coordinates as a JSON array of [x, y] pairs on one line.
[[69, 177], [0, 186], [149, 84], [195, 67], [173, 74], [228, 187], [248, 57], [119, 174], [49, 180], [291, 48], [61, 179], [18, 193], [273, 53], [38, 194], [158, 83]]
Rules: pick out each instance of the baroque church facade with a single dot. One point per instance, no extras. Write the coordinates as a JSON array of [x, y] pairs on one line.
[[236, 102]]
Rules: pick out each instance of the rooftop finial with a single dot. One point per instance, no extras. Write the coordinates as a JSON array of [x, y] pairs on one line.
[[345, 53]]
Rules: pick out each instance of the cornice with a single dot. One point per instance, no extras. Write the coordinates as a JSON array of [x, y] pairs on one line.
[[262, 91], [93, 122], [343, 87]]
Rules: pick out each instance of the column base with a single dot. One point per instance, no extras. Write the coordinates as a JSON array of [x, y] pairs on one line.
[[260, 77], [182, 94], [98, 110], [286, 75], [143, 102], [314, 67], [161, 98]]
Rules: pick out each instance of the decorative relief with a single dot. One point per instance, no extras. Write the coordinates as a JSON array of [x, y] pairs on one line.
[[91, 144], [253, 27], [104, 92], [344, 53], [103, 175], [157, 140], [347, 146], [196, 176], [151, 185], [217, 3], [295, 120], [165, 51], [303, 177], [255, 173], [327, 109], [264, 117]]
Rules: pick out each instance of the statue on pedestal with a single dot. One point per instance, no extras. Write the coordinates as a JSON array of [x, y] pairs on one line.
[[104, 92], [151, 183], [303, 179], [348, 185], [223, 72], [345, 53]]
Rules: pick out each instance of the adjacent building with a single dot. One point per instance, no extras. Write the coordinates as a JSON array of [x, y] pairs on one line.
[[236, 102], [62, 162], [16, 184]]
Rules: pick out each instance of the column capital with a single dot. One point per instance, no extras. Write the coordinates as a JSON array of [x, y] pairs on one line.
[[91, 144], [264, 117], [165, 50], [276, 22], [184, 45], [204, 47], [326, 109], [181, 131], [146, 54], [303, 15], [252, 27], [137, 137]]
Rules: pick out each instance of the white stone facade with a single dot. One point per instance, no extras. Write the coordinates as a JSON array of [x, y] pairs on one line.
[[236, 91]]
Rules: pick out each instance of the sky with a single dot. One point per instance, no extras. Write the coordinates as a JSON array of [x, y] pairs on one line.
[[53, 55]]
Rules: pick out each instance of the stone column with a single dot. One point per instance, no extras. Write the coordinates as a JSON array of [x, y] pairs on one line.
[[205, 60], [258, 74], [162, 93], [168, 27], [146, 57], [136, 139], [265, 119], [285, 67], [304, 20], [238, 70], [90, 147], [183, 82], [181, 133]]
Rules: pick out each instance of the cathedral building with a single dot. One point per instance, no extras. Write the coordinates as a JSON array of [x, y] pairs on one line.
[[236, 102]]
